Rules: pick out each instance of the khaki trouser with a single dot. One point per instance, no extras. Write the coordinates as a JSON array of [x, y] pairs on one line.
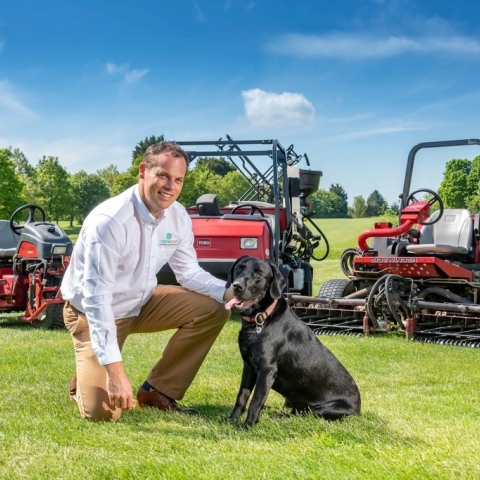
[[198, 320]]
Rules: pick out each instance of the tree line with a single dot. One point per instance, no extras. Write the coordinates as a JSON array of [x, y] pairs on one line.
[[66, 196]]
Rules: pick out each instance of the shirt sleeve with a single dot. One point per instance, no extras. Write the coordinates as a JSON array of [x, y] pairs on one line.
[[102, 244], [188, 272]]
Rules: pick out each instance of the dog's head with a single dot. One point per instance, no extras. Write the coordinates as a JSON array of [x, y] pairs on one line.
[[256, 283]]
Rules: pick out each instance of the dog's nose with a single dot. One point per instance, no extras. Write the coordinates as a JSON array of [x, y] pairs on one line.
[[238, 286]]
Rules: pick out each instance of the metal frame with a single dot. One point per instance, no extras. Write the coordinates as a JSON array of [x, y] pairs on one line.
[[415, 150]]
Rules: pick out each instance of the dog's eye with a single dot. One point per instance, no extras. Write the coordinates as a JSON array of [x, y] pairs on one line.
[[258, 274]]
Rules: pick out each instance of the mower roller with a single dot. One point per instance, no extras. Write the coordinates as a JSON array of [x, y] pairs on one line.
[[33, 259], [421, 278]]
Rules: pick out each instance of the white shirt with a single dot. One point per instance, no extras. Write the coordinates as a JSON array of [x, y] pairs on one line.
[[119, 250]]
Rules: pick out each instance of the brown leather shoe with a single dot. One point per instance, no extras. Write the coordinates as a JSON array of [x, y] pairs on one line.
[[159, 400]]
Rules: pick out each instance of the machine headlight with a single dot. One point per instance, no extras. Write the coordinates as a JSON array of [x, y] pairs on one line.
[[249, 243], [59, 249]]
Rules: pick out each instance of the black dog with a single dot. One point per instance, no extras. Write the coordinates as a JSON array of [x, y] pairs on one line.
[[281, 353]]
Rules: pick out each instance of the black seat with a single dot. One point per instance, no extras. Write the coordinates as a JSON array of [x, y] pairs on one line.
[[207, 205], [8, 240]]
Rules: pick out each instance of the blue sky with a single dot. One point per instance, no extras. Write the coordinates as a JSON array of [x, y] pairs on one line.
[[354, 84]]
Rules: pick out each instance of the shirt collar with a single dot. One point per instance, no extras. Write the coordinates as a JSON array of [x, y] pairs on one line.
[[142, 209]]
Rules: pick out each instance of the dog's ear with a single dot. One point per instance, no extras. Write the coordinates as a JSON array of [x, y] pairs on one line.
[[232, 269], [278, 282]]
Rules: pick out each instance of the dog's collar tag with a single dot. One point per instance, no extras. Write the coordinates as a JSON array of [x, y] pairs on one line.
[[259, 321]]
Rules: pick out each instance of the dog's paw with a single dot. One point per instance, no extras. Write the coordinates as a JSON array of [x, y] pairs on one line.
[[247, 425]]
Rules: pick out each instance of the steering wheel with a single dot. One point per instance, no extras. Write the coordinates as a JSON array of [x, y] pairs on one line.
[[435, 198], [253, 208], [17, 229]]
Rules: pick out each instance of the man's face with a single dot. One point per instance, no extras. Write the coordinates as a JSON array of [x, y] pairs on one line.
[[161, 185]]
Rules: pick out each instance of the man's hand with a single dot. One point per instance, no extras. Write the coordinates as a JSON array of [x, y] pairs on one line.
[[119, 387], [228, 295]]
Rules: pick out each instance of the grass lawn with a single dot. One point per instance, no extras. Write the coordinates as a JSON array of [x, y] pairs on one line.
[[419, 419]]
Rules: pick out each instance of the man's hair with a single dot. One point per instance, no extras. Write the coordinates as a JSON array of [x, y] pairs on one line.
[[171, 148]]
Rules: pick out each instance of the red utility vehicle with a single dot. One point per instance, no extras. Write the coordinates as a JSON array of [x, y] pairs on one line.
[[269, 221]]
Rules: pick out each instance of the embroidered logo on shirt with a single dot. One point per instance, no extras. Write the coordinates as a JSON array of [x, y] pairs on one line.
[[168, 240]]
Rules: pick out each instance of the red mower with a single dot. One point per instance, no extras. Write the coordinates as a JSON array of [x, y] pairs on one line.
[[33, 259], [421, 277]]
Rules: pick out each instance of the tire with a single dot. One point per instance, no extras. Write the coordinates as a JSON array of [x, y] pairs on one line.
[[53, 319], [336, 288]]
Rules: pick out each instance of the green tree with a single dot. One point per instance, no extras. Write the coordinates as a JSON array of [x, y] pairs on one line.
[[342, 206], [359, 207], [108, 175], [376, 204], [394, 208], [10, 185], [340, 191], [217, 165], [27, 175], [232, 186], [198, 181], [123, 181], [52, 188], [328, 204], [141, 147], [22, 165], [201, 180], [455, 188], [87, 192]]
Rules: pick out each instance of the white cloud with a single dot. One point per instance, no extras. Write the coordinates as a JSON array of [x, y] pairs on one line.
[[199, 15], [379, 131], [273, 109], [113, 69], [354, 46], [11, 105], [129, 75], [134, 75]]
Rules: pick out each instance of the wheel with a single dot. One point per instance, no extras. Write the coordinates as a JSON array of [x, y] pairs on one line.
[[16, 228], [53, 319], [336, 288], [435, 198], [253, 208]]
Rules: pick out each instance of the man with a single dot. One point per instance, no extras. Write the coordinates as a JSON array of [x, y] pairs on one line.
[[111, 291]]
